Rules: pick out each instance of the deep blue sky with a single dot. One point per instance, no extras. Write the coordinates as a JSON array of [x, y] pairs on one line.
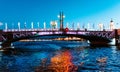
[[82, 11]]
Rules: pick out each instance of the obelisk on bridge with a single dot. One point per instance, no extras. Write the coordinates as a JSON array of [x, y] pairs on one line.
[[61, 16]]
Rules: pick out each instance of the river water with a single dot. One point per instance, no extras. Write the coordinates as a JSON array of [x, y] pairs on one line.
[[60, 56]]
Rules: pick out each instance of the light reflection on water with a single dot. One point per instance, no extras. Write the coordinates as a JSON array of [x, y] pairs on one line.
[[60, 56]]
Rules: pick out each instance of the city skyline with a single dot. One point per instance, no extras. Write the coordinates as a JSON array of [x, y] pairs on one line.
[[80, 11]]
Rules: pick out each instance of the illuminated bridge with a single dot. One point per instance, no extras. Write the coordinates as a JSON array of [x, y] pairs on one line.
[[102, 37], [94, 37]]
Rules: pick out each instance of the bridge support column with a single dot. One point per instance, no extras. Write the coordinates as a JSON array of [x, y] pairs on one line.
[[0, 38], [4, 45], [8, 42], [116, 37], [1, 35]]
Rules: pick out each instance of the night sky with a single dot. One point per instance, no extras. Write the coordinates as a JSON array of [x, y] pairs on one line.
[[75, 11]]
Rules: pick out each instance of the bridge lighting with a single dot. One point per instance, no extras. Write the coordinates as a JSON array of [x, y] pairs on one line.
[[88, 25], [93, 26], [6, 26], [19, 25], [31, 25], [58, 16], [62, 16], [56, 24], [38, 24], [78, 26], [101, 26], [25, 25], [73, 26], [44, 25], [53, 24]]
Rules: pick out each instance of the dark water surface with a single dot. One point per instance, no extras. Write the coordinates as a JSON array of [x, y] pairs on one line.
[[60, 56]]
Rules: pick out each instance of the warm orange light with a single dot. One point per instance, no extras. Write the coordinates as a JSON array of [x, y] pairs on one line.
[[62, 62], [59, 63]]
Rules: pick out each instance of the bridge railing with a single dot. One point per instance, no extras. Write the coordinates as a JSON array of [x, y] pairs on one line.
[[16, 30]]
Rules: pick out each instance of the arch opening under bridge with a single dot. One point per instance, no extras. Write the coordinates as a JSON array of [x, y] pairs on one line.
[[91, 36]]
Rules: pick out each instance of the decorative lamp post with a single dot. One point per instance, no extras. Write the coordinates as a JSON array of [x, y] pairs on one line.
[[61, 16], [44, 25], [38, 25], [101, 26], [6, 26], [31, 25], [53, 24], [56, 24], [18, 25], [73, 26], [25, 25], [78, 26]]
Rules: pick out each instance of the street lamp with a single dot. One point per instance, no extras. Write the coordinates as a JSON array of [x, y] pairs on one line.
[[78, 26], [25, 25], [61, 17], [6, 26], [101, 26], [44, 25], [38, 24], [31, 25], [18, 25]]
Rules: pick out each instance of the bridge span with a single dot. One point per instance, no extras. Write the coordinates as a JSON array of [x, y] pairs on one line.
[[94, 37]]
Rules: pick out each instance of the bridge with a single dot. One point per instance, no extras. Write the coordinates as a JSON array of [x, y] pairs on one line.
[[95, 37], [102, 37]]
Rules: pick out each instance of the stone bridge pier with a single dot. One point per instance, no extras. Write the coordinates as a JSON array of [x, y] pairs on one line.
[[4, 37]]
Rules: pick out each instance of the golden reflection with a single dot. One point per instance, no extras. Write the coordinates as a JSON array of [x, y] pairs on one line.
[[61, 63]]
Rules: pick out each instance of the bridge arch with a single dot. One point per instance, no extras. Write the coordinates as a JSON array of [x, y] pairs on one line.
[[91, 38]]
